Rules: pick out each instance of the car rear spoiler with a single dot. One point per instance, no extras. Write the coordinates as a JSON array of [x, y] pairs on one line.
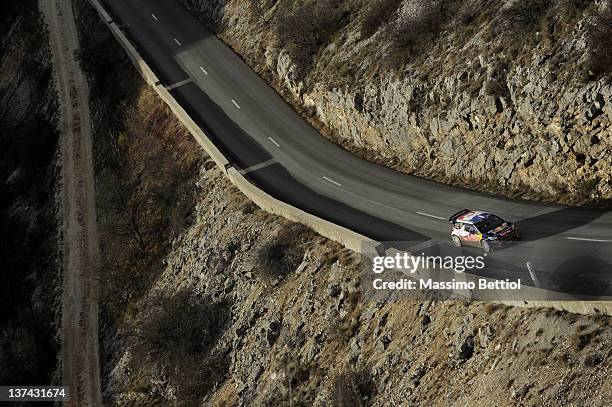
[[454, 217]]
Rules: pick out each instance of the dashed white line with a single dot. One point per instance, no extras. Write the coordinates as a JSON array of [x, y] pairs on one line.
[[583, 239], [430, 216], [154, 17], [203, 70], [178, 42], [235, 104], [332, 181], [274, 142]]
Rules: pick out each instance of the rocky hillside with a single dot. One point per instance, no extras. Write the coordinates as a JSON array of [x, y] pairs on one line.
[[207, 300], [29, 228], [251, 310], [510, 97]]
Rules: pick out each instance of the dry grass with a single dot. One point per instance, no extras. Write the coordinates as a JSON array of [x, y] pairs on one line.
[[378, 14], [353, 388], [282, 254], [146, 197], [600, 43]]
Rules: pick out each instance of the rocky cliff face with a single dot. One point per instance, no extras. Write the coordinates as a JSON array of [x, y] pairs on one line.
[[513, 97]]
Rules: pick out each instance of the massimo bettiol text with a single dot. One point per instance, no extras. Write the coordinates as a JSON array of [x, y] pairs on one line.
[[411, 264]]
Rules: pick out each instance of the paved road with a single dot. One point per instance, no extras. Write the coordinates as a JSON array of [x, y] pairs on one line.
[[80, 356], [568, 247]]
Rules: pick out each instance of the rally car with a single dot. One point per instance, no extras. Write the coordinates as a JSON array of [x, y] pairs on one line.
[[477, 228]]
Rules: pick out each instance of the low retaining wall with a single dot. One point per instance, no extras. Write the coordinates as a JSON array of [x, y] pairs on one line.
[[348, 238]]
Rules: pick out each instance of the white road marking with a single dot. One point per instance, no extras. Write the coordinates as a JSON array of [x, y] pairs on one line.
[[430, 216], [154, 17], [532, 274], [235, 104], [204, 70], [274, 142], [332, 181], [582, 239], [258, 166], [181, 83], [178, 42]]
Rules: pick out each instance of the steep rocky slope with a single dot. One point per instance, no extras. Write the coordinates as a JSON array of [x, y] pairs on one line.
[[29, 239], [208, 300], [512, 97], [289, 326]]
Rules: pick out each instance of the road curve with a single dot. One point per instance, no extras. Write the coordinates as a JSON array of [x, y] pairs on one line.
[[278, 151]]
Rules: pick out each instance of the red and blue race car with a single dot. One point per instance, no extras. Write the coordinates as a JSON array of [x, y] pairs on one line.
[[483, 229]]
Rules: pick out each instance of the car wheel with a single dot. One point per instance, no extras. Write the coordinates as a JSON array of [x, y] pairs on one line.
[[486, 246], [457, 241]]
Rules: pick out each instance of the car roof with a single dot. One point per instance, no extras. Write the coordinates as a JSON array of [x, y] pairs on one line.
[[473, 216]]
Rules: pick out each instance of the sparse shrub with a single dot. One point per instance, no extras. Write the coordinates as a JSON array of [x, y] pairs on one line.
[[281, 255], [305, 30], [343, 329], [412, 34], [248, 208], [523, 14], [581, 339], [599, 40], [497, 88], [593, 360], [180, 333], [353, 388], [587, 186], [377, 14]]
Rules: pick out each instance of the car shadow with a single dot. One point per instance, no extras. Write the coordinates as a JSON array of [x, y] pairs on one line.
[[557, 222], [583, 275]]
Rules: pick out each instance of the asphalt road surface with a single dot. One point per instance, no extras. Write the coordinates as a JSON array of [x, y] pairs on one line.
[[569, 249]]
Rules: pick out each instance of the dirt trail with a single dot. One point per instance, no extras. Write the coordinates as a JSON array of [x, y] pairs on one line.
[[80, 360]]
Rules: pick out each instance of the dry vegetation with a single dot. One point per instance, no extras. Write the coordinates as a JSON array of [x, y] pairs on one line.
[[146, 165], [280, 255], [176, 333], [146, 168], [146, 195], [407, 28], [305, 30], [353, 388], [600, 43]]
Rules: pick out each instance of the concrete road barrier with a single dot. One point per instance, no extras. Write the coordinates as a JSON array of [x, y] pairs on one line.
[[349, 239]]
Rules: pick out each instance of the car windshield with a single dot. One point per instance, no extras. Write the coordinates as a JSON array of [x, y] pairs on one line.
[[489, 223]]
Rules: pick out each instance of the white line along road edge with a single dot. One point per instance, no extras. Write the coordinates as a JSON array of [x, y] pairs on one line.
[[431, 216], [584, 239], [332, 181]]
